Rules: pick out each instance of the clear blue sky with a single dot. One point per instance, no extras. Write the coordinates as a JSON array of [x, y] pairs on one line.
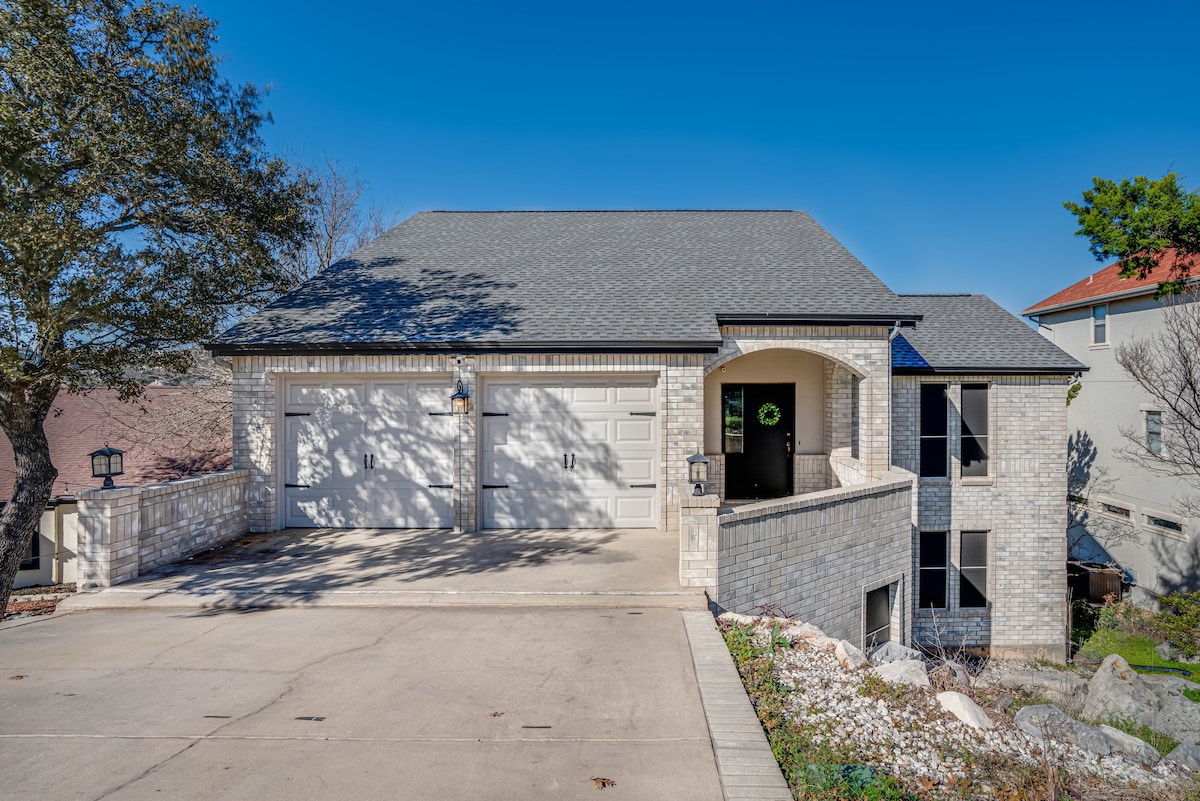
[[937, 141]]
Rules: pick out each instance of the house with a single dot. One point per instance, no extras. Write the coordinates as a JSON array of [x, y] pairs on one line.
[[169, 433], [1123, 512], [887, 466]]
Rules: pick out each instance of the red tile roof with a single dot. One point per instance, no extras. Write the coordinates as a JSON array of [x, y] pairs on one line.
[[170, 433], [1103, 284]]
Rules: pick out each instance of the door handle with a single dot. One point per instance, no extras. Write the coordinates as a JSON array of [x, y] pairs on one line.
[[572, 461], [372, 461]]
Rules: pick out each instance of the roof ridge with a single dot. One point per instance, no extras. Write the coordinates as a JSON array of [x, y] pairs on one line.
[[940, 295], [610, 211]]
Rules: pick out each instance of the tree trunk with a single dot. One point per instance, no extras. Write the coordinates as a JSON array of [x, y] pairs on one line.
[[23, 422]]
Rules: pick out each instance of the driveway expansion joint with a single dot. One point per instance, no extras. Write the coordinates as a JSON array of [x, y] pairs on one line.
[[745, 764]]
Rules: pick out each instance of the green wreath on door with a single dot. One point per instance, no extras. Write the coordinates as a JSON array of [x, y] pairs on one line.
[[769, 414]]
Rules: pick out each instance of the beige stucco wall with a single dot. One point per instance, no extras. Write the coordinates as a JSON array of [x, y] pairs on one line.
[[804, 369]]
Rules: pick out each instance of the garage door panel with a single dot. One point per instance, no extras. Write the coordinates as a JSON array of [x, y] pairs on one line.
[[591, 422], [346, 419]]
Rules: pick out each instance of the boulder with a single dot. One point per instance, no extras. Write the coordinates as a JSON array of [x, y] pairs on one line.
[[950, 674], [1057, 687], [1116, 692], [909, 672], [1186, 755], [889, 652], [1048, 721], [1176, 716], [810, 634], [966, 710], [738, 619], [1131, 746], [850, 657]]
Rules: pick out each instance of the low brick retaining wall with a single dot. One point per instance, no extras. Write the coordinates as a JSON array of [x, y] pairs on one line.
[[126, 531], [815, 556]]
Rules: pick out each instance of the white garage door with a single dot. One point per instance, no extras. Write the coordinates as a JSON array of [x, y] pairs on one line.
[[570, 453], [368, 453]]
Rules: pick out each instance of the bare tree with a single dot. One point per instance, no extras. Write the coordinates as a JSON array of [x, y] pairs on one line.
[[1167, 366], [341, 223]]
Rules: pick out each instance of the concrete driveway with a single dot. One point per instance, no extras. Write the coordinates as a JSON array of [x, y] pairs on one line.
[[326, 703], [388, 567]]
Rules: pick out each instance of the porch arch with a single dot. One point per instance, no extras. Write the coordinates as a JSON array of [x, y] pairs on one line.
[[734, 348]]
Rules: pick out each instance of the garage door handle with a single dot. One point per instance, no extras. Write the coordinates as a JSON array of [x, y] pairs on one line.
[[372, 461], [572, 461], [441, 486], [643, 486], [495, 486], [564, 461], [364, 461], [298, 486]]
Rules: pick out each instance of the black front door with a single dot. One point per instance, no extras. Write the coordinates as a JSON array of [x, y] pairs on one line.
[[758, 420]]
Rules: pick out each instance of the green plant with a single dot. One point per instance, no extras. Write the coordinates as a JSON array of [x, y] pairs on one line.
[[1179, 621], [1162, 742], [1192, 695]]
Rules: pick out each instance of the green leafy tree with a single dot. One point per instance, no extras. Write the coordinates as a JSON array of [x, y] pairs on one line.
[[1142, 223], [139, 212]]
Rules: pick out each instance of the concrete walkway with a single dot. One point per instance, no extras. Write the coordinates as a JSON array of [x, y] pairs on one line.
[[497, 703], [386, 567]]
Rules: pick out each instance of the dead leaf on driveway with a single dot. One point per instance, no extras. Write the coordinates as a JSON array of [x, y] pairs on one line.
[[496, 715], [17, 677], [602, 783]]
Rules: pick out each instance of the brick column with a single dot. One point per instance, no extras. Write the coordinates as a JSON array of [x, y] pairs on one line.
[[110, 523], [697, 537], [466, 470]]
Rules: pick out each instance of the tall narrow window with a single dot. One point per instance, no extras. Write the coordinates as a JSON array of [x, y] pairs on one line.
[[972, 566], [1100, 324], [975, 429], [732, 406], [1154, 432], [934, 460], [932, 561]]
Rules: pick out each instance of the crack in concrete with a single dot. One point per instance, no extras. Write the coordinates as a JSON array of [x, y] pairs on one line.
[[289, 687]]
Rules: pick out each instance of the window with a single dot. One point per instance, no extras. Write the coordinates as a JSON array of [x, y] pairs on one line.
[[1164, 523], [732, 403], [1115, 511], [878, 613], [31, 560], [934, 461], [1153, 431], [972, 565], [932, 562], [974, 429], [1100, 324]]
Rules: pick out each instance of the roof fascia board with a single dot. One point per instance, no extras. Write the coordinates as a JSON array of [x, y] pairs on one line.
[[906, 320], [989, 370], [429, 348]]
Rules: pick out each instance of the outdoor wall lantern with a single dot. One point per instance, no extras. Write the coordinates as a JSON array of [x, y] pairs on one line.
[[698, 471], [106, 463], [458, 401]]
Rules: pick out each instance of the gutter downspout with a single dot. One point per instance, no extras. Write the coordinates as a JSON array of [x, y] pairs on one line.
[[895, 333]]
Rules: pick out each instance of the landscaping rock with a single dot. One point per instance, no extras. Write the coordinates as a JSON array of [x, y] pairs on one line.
[[1187, 755], [966, 710], [738, 619], [1124, 743], [1116, 692], [1048, 721], [848, 656], [890, 652], [950, 674], [1058, 687], [909, 672]]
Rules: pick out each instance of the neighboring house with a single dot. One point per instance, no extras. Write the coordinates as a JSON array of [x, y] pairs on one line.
[[170, 432], [1123, 513], [600, 350]]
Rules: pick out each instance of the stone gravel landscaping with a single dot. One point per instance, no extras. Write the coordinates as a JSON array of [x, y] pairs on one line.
[[843, 727]]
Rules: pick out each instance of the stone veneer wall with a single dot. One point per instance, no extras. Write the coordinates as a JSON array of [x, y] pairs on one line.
[[1021, 503], [126, 531], [816, 556], [257, 379]]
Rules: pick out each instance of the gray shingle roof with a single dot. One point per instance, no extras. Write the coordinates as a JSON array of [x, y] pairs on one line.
[[971, 334], [572, 278]]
